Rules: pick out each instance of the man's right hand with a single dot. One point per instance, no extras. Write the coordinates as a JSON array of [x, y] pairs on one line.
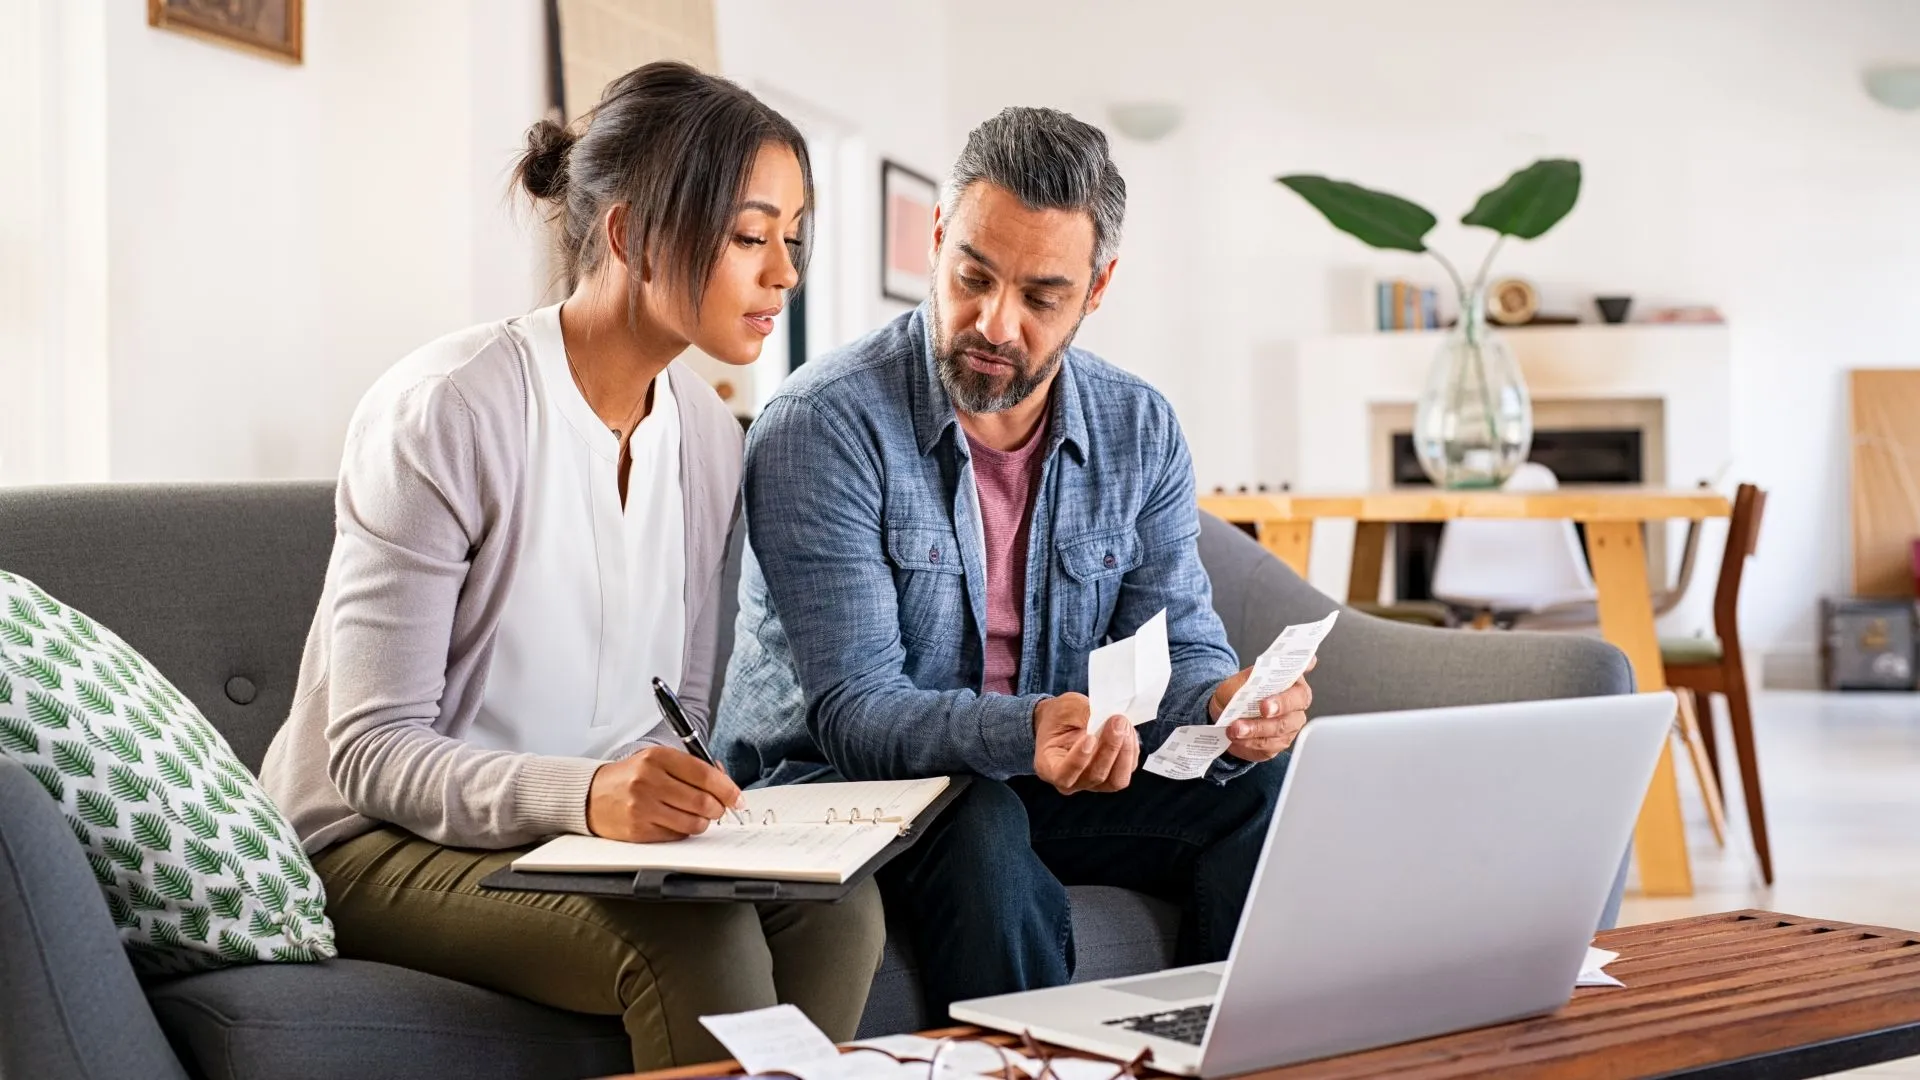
[[658, 794], [1065, 756]]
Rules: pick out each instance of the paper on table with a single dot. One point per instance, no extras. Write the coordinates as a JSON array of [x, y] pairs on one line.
[[1128, 678], [781, 1039], [1190, 750], [1066, 1068], [774, 1039], [1590, 973]]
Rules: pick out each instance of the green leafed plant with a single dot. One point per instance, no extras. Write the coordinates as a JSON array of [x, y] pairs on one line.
[[1529, 203]]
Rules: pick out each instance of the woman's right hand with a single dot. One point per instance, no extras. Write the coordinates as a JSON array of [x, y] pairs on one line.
[[658, 794]]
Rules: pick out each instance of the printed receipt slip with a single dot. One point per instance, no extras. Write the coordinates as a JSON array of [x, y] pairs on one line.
[[1189, 750], [801, 832]]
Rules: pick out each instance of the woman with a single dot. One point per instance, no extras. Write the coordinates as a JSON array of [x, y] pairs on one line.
[[532, 518]]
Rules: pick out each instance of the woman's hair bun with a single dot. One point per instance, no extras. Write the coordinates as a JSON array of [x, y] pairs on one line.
[[543, 165]]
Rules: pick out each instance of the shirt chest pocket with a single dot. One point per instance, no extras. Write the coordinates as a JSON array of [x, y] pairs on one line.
[[1092, 567], [929, 582]]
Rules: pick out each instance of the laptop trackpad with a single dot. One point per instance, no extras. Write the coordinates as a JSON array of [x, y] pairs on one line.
[[1176, 986]]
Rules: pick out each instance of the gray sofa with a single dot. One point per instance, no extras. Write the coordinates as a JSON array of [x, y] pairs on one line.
[[216, 584]]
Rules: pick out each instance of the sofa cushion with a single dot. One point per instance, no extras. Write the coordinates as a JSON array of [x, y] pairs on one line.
[[1115, 932], [351, 1019], [198, 867]]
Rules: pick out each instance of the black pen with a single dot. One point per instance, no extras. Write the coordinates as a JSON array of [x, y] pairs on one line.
[[690, 735], [677, 720]]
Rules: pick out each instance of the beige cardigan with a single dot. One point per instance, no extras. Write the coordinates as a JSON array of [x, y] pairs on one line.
[[428, 528]]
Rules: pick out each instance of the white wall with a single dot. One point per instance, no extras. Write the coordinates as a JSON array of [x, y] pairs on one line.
[[53, 242], [280, 234], [1731, 158], [276, 235], [871, 75]]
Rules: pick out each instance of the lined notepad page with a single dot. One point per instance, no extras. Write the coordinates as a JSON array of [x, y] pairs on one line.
[[802, 804], [776, 852]]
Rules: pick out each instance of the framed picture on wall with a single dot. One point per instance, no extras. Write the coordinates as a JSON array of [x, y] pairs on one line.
[[271, 27], [906, 232]]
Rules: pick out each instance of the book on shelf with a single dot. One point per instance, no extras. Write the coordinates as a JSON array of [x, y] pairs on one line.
[[1403, 305]]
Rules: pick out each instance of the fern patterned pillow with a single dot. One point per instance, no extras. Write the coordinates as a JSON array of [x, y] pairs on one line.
[[199, 868]]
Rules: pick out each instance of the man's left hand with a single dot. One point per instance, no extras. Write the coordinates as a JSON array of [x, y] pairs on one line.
[[1266, 735]]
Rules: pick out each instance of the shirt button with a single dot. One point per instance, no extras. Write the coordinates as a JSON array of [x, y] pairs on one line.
[[1111, 560], [933, 554]]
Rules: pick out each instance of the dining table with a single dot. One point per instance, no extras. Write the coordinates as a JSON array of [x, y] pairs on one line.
[[1615, 521]]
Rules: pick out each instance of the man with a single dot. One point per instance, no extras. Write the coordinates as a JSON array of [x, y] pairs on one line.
[[945, 518]]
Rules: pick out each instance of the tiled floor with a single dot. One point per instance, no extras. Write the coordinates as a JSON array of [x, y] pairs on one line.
[[1841, 778]]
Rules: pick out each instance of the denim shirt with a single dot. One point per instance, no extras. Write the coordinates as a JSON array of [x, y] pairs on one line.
[[863, 599]]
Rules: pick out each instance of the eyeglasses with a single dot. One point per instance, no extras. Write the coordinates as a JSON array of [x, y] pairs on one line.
[[1038, 1063]]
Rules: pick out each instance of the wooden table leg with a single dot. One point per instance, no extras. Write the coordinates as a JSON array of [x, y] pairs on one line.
[[1619, 560], [1290, 541], [1369, 559]]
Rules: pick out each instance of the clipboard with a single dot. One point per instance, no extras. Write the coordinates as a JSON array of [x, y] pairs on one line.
[[670, 885]]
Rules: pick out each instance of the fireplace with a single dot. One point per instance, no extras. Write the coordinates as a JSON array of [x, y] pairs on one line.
[[1578, 456], [1337, 400]]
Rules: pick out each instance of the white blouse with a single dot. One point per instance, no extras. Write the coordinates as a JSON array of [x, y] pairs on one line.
[[597, 606]]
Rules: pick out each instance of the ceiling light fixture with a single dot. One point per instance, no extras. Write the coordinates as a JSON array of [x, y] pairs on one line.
[[1147, 121], [1896, 87]]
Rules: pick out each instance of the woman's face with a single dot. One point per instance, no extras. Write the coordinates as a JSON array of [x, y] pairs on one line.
[[756, 267]]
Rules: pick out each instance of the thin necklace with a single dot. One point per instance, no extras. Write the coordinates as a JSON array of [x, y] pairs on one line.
[[633, 414]]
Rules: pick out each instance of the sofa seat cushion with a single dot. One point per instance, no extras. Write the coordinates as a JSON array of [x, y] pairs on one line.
[[353, 1019], [1115, 932]]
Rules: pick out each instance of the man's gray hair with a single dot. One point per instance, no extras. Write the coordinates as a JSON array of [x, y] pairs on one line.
[[1049, 161]]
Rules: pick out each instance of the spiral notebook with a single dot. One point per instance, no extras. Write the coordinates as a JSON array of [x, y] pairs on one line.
[[802, 832]]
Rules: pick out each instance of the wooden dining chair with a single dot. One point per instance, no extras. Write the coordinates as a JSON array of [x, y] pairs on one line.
[[1704, 666]]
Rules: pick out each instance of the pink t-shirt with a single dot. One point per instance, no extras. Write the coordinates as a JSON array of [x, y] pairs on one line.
[[1005, 482]]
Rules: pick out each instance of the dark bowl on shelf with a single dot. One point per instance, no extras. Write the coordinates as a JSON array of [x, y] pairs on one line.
[[1613, 309]]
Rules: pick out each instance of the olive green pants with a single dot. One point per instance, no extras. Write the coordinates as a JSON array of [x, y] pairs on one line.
[[398, 899]]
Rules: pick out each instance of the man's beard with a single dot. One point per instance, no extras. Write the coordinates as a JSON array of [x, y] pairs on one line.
[[975, 392]]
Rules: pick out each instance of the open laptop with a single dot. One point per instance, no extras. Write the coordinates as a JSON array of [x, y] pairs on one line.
[[1425, 872]]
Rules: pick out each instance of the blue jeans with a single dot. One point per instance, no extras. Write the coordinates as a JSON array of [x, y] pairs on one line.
[[983, 894]]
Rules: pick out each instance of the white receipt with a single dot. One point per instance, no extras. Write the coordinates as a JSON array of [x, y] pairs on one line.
[[1591, 973], [1128, 678], [775, 1039], [781, 1039], [1068, 1068], [1278, 668], [1190, 750]]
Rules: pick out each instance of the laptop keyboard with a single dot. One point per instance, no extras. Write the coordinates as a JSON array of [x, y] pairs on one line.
[[1186, 1025]]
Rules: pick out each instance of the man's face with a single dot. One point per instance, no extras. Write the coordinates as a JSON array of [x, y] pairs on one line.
[[1010, 286]]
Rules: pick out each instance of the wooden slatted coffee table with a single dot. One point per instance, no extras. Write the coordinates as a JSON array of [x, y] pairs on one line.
[[1742, 994]]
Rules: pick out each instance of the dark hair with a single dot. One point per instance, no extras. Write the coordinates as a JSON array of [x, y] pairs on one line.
[[675, 145], [1049, 161]]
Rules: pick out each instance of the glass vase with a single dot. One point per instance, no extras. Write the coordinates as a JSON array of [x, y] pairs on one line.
[[1474, 422]]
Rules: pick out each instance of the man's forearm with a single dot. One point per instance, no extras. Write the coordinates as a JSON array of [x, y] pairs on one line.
[[894, 731]]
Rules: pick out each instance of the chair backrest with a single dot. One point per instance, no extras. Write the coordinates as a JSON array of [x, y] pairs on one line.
[[1743, 539], [1513, 565]]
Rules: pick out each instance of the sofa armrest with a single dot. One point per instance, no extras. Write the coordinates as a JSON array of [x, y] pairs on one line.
[[1370, 664], [70, 1006]]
